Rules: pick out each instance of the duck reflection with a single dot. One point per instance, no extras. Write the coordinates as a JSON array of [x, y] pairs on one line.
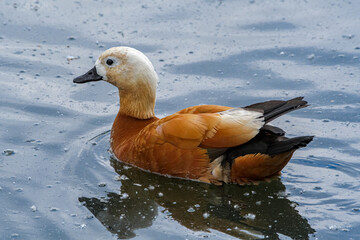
[[250, 212]]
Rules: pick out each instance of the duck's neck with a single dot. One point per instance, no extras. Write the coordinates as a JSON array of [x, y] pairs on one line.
[[138, 102]]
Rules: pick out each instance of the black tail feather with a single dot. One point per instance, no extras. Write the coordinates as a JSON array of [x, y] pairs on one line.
[[288, 145], [267, 142], [276, 108]]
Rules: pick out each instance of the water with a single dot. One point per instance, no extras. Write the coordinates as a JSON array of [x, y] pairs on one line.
[[57, 179]]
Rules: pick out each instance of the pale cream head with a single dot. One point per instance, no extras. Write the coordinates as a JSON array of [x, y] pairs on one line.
[[134, 75], [125, 66]]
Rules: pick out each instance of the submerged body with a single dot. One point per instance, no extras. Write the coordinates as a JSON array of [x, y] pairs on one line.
[[209, 143]]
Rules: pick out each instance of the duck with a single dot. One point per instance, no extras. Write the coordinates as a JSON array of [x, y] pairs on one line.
[[207, 143]]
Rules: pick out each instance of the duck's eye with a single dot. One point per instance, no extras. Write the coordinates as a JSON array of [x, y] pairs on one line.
[[109, 62]]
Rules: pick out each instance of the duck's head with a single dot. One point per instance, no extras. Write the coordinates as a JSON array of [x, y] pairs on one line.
[[134, 75]]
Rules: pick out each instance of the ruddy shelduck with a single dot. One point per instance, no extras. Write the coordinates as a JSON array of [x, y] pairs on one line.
[[208, 143]]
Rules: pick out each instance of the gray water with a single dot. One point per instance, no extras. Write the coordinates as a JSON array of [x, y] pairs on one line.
[[57, 178]]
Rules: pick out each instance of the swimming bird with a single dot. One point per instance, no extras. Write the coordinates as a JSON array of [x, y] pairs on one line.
[[209, 143]]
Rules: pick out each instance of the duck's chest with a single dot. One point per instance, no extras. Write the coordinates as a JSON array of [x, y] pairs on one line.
[[128, 135]]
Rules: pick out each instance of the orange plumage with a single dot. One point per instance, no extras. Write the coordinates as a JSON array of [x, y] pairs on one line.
[[208, 143]]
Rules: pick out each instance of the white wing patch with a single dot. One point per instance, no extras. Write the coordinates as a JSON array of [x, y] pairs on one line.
[[251, 119], [237, 126]]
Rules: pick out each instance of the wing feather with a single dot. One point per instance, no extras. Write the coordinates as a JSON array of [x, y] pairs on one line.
[[191, 128], [188, 130], [237, 126], [204, 109]]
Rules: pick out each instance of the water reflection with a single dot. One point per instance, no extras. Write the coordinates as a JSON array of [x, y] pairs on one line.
[[249, 212]]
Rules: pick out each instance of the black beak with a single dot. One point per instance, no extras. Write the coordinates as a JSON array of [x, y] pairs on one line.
[[90, 76]]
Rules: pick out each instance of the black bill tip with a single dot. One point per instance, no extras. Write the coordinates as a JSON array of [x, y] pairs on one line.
[[90, 76]]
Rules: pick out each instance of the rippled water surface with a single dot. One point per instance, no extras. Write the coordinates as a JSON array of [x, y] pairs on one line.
[[57, 178]]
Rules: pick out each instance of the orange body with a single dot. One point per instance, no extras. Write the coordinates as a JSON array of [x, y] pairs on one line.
[[139, 143]]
